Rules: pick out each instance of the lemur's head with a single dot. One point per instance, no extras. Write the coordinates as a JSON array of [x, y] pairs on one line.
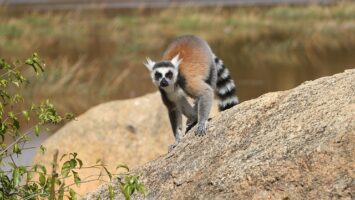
[[164, 73]]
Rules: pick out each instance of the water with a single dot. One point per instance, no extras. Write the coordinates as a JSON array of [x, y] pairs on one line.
[[255, 76], [252, 81]]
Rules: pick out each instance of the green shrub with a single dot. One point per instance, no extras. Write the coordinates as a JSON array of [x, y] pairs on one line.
[[36, 181]]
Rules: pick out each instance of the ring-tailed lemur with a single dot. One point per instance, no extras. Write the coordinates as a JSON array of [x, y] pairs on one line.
[[190, 68]]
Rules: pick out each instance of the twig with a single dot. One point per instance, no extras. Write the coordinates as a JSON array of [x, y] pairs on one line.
[[34, 195], [16, 141], [12, 159], [10, 70], [54, 175]]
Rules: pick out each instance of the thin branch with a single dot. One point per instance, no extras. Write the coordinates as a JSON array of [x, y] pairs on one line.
[[12, 159], [16, 141], [87, 182], [34, 195], [54, 175], [10, 70], [16, 114], [93, 166]]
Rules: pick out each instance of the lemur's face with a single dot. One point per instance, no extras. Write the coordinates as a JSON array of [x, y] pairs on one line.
[[164, 73], [164, 76]]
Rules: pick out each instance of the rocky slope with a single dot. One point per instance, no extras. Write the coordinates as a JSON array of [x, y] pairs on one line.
[[295, 144], [130, 132]]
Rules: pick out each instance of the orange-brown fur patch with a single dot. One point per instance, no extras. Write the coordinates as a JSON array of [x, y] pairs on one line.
[[195, 65]]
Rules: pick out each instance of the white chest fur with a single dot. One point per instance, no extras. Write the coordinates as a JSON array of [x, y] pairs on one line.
[[174, 93]]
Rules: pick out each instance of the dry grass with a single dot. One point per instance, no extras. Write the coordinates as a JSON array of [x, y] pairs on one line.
[[94, 57]]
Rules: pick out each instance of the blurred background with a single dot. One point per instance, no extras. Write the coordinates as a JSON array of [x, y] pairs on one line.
[[94, 50]]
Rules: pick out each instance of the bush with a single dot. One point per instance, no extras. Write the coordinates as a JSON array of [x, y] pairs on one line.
[[36, 181]]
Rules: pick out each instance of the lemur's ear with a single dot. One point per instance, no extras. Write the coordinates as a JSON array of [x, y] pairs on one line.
[[176, 61], [149, 64]]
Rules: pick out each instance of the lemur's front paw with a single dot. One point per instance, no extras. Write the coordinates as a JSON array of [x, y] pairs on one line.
[[172, 146], [201, 129]]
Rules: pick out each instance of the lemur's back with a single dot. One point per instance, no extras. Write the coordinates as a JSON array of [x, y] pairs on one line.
[[197, 61]]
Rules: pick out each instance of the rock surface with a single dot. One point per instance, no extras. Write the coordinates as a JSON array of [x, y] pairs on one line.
[[295, 144], [130, 132]]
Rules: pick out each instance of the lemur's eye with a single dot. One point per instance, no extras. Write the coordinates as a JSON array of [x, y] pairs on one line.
[[169, 75], [157, 75]]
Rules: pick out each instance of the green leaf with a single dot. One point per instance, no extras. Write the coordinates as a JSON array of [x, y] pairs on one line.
[[3, 82], [26, 115], [29, 176], [29, 61], [127, 191], [3, 129], [42, 179], [141, 188], [73, 163], [130, 185], [16, 123], [69, 116], [4, 95], [16, 83], [43, 168], [43, 149], [37, 130], [72, 194], [67, 166], [77, 179], [11, 115], [2, 135], [16, 149], [33, 107], [35, 63], [16, 177], [17, 98], [65, 169], [61, 193], [111, 192]]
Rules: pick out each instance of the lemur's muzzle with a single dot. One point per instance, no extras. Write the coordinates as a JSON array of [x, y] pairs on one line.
[[163, 83]]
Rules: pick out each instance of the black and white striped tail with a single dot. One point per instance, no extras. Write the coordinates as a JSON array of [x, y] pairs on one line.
[[225, 87]]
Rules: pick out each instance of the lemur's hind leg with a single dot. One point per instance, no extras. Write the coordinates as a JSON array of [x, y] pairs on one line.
[[187, 109], [191, 122], [203, 108]]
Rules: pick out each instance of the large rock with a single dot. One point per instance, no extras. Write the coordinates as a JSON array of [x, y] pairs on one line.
[[129, 132], [296, 144]]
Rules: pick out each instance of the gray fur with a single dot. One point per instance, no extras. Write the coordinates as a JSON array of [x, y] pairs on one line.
[[174, 95], [187, 109], [175, 117], [204, 105]]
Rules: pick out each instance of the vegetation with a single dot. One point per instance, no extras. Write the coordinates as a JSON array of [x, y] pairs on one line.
[[98, 56], [36, 181]]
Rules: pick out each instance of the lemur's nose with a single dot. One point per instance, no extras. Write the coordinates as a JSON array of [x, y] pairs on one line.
[[163, 83]]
